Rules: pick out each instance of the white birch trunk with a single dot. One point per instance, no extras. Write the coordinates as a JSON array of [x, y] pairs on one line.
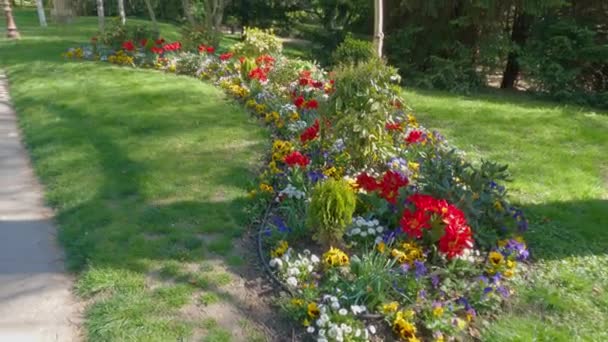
[[378, 24], [121, 11], [152, 16], [100, 15], [41, 15]]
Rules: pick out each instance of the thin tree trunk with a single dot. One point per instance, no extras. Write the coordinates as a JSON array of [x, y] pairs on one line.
[[519, 35], [152, 16], [188, 12], [11, 27], [378, 25], [100, 15], [41, 15], [62, 12], [121, 11]]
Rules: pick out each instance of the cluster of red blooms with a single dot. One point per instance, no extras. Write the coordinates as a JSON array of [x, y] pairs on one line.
[[388, 187], [457, 235], [300, 102], [172, 46], [394, 126], [296, 158], [226, 56], [258, 74], [264, 65], [415, 137], [306, 80], [310, 133], [207, 49], [128, 45]]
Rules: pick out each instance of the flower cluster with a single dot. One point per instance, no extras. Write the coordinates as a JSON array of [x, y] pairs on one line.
[[365, 230], [335, 257]]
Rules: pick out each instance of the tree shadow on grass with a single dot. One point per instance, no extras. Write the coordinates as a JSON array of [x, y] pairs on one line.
[[120, 219], [563, 229]]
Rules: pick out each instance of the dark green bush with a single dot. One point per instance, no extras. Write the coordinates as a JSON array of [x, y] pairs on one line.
[[116, 33], [193, 36], [564, 60], [353, 51]]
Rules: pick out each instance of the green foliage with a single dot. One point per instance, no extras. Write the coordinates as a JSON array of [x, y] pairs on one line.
[[331, 210], [193, 36], [188, 64], [258, 42], [360, 107], [116, 33], [565, 62], [353, 51]]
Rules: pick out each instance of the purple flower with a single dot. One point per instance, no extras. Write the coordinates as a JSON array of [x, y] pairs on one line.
[[422, 294], [435, 280], [315, 176], [487, 290], [280, 224], [496, 278], [420, 269], [504, 292]]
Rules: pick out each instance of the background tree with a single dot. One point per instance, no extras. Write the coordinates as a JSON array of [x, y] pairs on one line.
[[100, 16], [62, 11], [121, 11], [152, 16], [41, 14], [11, 27]]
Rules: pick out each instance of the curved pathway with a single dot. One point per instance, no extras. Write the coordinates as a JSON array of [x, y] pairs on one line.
[[36, 303]]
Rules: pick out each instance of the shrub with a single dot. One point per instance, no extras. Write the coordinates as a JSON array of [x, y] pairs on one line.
[[116, 33], [189, 63], [258, 42], [331, 210], [361, 105], [193, 36], [565, 62], [353, 51]]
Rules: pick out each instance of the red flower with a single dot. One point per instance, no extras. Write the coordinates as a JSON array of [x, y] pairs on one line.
[[393, 126], [258, 74], [242, 59], [226, 56], [156, 50], [312, 104], [143, 42], [202, 48], [304, 81], [266, 61], [413, 223], [305, 74], [173, 46], [455, 240], [94, 39], [390, 184], [310, 133], [128, 45], [299, 101], [415, 136], [296, 158], [317, 84], [210, 49], [367, 182], [159, 41]]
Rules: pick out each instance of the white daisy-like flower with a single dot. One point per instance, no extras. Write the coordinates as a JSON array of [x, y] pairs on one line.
[[314, 259], [292, 281], [343, 312], [335, 305], [372, 329], [310, 329]]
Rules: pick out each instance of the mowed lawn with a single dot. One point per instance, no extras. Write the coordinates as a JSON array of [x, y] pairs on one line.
[[558, 157], [148, 174]]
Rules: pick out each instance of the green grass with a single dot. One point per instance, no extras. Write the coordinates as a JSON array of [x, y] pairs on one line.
[[558, 157], [141, 167], [147, 172]]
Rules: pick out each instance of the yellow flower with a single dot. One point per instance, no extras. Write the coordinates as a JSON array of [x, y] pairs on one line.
[[273, 167], [415, 167], [460, 323], [252, 193], [511, 264], [266, 188], [411, 120], [498, 206], [495, 258], [390, 307], [381, 246], [335, 257], [508, 273], [438, 311], [502, 243], [295, 116], [399, 256], [403, 327], [439, 338], [297, 302], [332, 172], [313, 310], [282, 247], [306, 322]]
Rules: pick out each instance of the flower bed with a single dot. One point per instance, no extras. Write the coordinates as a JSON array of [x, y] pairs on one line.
[[375, 225]]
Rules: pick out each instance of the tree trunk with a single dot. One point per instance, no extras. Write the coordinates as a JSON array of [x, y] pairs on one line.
[[378, 25], [62, 12], [519, 35], [152, 16], [11, 27], [121, 12], [100, 16], [214, 13], [41, 15], [188, 12]]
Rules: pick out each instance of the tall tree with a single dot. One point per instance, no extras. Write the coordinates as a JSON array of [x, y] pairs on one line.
[[62, 11], [41, 15], [378, 26], [152, 16], [121, 11], [100, 15], [11, 27], [187, 6], [214, 13]]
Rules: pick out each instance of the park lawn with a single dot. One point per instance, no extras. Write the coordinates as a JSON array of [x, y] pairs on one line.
[[558, 157], [148, 174]]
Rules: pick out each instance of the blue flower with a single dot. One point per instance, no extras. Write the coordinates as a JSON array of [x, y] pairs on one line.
[[420, 269], [280, 224], [315, 176], [435, 281]]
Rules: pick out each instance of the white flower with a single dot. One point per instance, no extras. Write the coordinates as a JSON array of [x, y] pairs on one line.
[[343, 312], [292, 281], [363, 234], [322, 332], [371, 231], [310, 329], [314, 259], [379, 229], [333, 298], [348, 329], [372, 329], [357, 332], [355, 231], [333, 331], [310, 268], [357, 309], [322, 340], [335, 305], [324, 317], [293, 271]]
